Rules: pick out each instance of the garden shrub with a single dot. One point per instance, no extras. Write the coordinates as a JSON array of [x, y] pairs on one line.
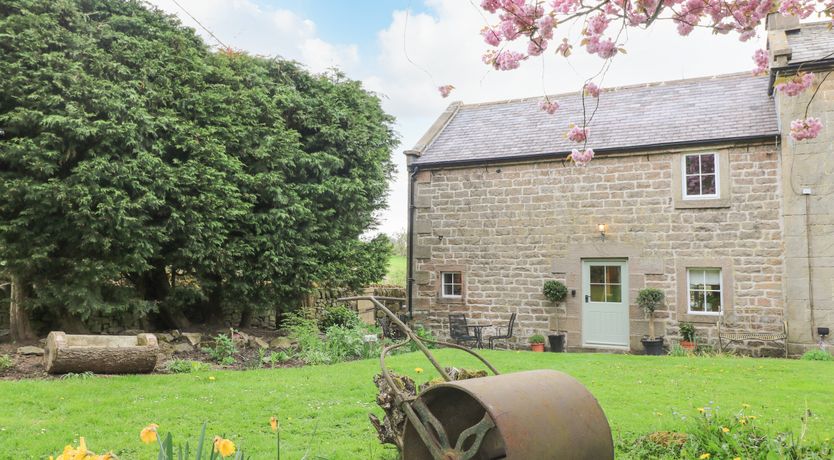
[[185, 366], [817, 355], [223, 351], [555, 291], [339, 315], [339, 343], [6, 362]]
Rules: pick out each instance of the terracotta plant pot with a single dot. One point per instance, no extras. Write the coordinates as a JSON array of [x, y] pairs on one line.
[[687, 345], [537, 347]]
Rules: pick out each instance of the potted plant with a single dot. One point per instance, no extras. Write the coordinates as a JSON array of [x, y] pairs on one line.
[[650, 299], [556, 291], [537, 343], [687, 336]]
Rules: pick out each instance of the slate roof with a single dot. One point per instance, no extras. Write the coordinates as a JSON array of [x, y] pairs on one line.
[[811, 42], [703, 110]]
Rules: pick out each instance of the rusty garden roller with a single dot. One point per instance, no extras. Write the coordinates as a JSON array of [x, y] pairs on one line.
[[532, 415]]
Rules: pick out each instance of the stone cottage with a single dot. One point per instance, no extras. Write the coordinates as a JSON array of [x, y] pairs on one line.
[[696, 189]]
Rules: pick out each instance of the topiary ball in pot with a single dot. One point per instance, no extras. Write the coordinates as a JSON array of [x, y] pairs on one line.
[[555, 291]]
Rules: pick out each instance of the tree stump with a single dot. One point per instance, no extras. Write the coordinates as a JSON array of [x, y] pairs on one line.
[[100, 354]]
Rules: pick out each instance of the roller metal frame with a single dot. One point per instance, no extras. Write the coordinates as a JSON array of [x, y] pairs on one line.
[[428, 427]]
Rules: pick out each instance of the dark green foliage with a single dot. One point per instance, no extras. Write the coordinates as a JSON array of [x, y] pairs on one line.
[[134, 155], [817, 355], [338, 315], [555, 291], [687, 331], [650, 299], [537, 338]]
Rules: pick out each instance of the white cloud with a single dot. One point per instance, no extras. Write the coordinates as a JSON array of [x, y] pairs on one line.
[[272, 32]]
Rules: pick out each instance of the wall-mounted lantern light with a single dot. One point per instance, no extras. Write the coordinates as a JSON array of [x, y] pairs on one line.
[[601, 230]]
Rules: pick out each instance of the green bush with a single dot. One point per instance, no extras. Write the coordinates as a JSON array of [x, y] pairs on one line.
[[555, 291], [817, 355], [687, 331], [650, 299], [223, 351], [339, 315], [6, 362], [537, 338], [185, 366]]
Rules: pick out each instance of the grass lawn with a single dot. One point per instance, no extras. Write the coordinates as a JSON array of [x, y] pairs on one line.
[[396, 271], [324, 408]]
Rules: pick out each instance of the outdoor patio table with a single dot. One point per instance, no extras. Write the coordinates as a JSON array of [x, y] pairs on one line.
[[479, 333]]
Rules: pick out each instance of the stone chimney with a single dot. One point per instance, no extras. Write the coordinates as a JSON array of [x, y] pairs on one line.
[[777, 41]]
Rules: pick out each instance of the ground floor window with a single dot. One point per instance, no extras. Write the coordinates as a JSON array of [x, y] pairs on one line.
[[704, 290], [452, 285]]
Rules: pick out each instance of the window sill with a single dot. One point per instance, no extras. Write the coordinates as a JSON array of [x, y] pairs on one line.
[[700, 318], [454, 300], [702, 204]]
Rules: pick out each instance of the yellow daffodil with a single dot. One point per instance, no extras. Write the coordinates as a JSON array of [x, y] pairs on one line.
[[418, 370], [224, 447], [705, 456], [753, 417], [148, 434], [701, 410], [273, 422], [736, 458], [725, 429], [212, 378], [743, 421], [746, 406]]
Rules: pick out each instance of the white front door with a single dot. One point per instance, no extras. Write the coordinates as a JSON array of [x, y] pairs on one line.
[[605, 303]]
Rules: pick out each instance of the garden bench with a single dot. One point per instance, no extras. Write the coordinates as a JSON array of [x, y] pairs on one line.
[[740, 336]]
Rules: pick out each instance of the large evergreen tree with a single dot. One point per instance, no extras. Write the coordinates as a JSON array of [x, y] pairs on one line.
[[133, 155]]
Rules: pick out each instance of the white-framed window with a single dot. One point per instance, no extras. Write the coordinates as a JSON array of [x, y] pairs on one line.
[[452, 287], [701, 178], [704, 286]]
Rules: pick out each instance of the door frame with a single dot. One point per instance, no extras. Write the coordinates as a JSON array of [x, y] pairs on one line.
[[585, 264]]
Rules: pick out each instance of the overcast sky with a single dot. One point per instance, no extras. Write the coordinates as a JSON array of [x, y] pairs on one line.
[[404, 49]]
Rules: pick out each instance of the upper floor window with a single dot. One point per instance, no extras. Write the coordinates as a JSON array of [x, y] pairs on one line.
[[452, 285], [704, 286], [700, 176]]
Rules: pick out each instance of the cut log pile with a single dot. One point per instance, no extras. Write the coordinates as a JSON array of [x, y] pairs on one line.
[[100, 354]]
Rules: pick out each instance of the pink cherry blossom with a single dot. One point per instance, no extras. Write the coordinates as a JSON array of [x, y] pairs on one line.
[[492, 37], [762, 62], [808, 128], [549, 106], [592, 89], [445, 90], [582, 158], [536, 46], [577, 133], [565, 6], [491, 5], [796, 84], [507, 60], [801, 8]]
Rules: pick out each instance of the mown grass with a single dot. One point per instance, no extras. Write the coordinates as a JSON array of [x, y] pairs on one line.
[[323, 410], [396, 271]]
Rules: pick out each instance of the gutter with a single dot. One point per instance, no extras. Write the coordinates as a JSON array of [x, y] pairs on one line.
[[790, 69], [563, 155], [409, 277]]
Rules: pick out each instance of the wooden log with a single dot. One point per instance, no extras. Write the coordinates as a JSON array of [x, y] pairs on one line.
[[100, 354]]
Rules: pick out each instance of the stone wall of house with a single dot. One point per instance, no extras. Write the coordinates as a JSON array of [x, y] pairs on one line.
[[510, 227], [808, 212]]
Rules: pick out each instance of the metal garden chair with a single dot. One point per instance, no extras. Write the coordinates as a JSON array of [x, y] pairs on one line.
[[506, 336], [458, 330]]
